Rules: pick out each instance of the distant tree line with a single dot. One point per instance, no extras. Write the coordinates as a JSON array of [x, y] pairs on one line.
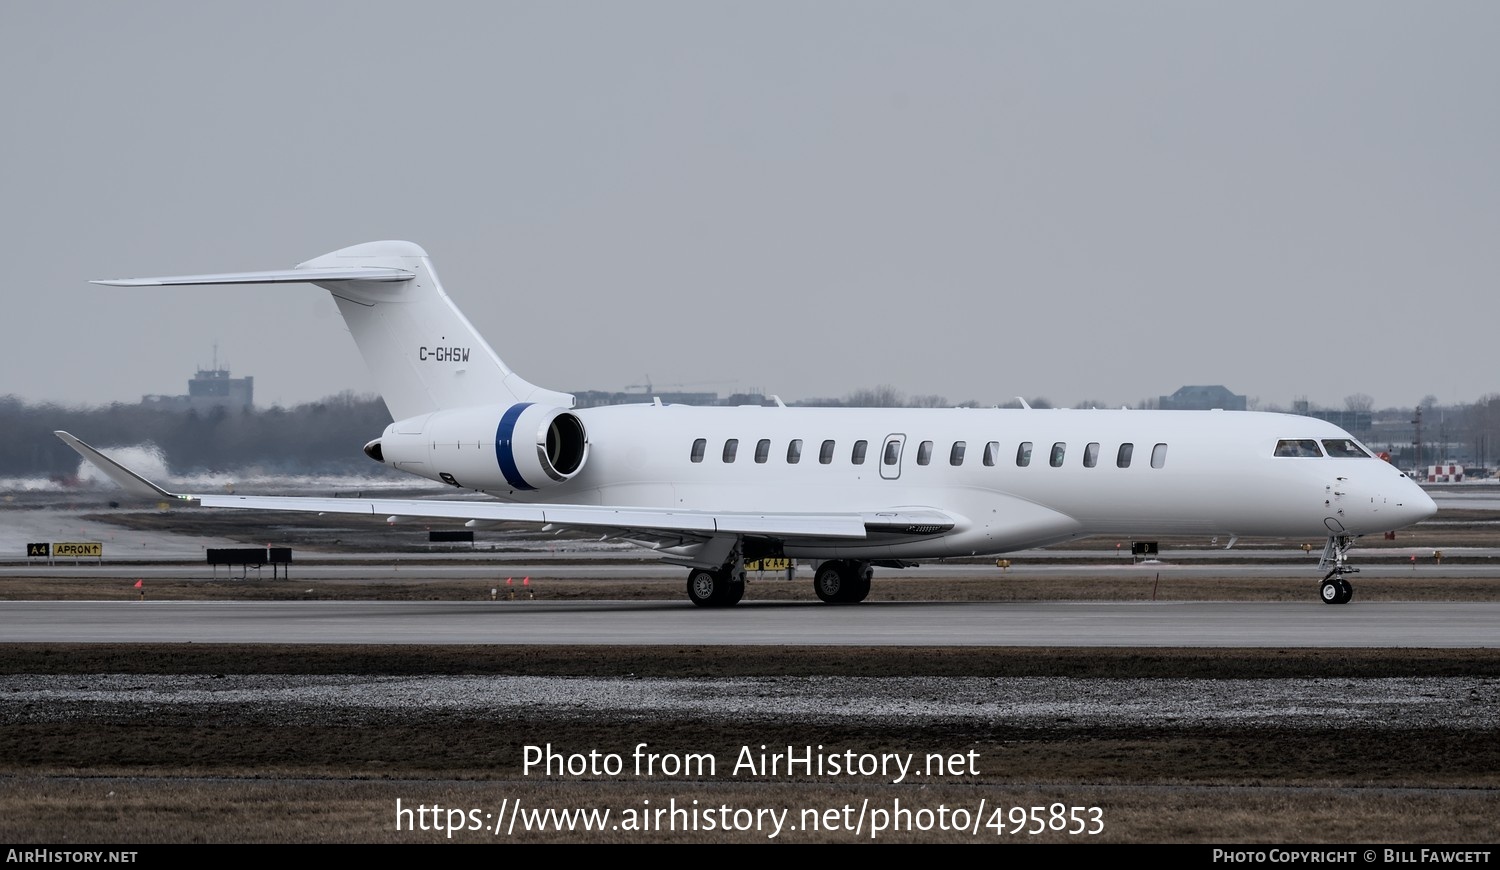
[[326, 436], [317, 437], [887, 396]]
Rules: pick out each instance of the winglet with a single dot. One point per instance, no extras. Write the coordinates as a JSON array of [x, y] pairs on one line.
[[132, 482]]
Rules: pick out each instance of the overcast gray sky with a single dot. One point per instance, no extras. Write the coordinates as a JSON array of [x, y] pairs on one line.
[[1077, 200]]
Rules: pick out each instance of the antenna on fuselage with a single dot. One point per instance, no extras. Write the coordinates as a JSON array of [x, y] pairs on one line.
[[1023, 403]]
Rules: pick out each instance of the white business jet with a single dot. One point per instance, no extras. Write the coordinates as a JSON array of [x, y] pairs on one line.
[[848, 489]]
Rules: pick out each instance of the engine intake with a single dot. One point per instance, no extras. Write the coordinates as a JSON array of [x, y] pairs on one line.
[[556, 440], [520, 447]]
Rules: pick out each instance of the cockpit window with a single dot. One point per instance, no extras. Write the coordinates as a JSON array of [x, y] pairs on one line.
[[1303, 447], [1344, 448]]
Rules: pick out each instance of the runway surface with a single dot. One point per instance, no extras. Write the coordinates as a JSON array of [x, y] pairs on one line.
[[1041, 624]]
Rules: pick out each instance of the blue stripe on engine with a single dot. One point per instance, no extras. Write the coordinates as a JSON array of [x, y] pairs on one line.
[[504, 434]]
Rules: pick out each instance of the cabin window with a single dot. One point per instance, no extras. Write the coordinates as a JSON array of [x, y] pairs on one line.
[[858, 455], [1159, 456], [825, 455], [1122, 458], [924, 453], [1023, 454], [762, 450], [1059, 449], [731, 447], [699, 447], [1091, 454], [794, 452], [1298, 447], [892, 452], [991, 452], [1344, 448], [956, 455]]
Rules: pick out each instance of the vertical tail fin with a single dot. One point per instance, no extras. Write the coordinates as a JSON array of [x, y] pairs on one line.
[[422, 352]]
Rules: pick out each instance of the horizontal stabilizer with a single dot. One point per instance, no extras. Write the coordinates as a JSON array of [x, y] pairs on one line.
[[423, 354], [285, 276]]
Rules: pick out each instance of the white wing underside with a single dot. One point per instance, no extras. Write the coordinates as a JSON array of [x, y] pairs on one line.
[[692, 536]]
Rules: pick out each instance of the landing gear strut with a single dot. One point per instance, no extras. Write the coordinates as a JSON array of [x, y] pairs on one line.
[[843, 581], [1335, 589]]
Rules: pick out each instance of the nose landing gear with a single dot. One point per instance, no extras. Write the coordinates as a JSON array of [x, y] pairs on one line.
[[1335, 589]]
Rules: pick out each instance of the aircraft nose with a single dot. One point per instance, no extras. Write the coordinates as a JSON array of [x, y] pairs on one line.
[[1381, 502], [1412, 505]]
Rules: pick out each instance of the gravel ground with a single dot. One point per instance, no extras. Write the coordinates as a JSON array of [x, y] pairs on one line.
[[1019, 702]]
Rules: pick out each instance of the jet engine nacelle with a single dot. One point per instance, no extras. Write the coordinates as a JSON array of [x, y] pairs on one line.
[[493, 447]]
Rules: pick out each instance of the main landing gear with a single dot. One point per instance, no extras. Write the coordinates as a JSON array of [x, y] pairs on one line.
[[721, 587], [1335, 589], [840, 581], [843, 581]]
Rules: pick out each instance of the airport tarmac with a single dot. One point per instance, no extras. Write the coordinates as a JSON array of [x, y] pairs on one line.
[[222, 690], [1036, 623]]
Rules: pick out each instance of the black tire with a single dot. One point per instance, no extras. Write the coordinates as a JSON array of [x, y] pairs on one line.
[[1346, 591], [831, 582], [859, 588], [703, 587], [707, 588]]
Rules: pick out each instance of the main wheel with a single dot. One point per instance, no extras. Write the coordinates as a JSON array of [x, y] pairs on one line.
[[831, 582], [701, 586], [1330, 592], [1346, 591], [707, 588], [859, 588]]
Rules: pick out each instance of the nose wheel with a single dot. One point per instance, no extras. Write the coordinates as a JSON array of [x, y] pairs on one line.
[[1336, 589]]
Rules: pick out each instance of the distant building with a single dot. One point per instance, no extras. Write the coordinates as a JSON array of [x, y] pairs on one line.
[[1450, 473], [1360, 424], [1202, 398], [209, 389]]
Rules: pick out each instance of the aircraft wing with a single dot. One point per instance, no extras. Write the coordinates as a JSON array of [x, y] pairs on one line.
[[650, 523]]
